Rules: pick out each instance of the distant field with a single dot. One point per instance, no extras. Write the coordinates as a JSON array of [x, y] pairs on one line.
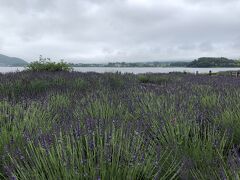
[[72, 125]]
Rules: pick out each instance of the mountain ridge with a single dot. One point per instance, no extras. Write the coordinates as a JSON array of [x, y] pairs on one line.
[[11, 61]]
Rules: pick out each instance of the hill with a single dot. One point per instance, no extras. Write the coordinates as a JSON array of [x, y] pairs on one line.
[[214, 62], [11, 61]]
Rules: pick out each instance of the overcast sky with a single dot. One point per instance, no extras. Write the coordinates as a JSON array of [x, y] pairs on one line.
[[119, 30]]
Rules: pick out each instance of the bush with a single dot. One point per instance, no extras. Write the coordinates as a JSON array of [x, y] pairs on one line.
[[47, 65], [80, 84], [229, 119], [38, 85], [115, 81], [154, 79], [144, 79]]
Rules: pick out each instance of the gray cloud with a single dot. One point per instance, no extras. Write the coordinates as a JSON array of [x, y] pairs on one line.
[[113, 30]]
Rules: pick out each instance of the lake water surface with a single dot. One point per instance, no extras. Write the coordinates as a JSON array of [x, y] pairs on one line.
[[135, 70]]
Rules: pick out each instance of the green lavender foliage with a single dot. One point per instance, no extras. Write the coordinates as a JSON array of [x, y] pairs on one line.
[[69, 125]]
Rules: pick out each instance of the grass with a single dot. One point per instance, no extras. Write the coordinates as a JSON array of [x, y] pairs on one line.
[[70, 125]]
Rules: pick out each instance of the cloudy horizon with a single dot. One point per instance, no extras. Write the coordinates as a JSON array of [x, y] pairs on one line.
[[120, 30]]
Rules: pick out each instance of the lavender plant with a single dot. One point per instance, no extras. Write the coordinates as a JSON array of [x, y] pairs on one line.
[[72, 125]]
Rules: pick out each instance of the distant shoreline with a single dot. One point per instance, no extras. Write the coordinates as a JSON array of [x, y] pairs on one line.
[[137, 70]]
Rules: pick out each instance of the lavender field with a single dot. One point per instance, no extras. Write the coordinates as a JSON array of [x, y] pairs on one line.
[[72, 125]]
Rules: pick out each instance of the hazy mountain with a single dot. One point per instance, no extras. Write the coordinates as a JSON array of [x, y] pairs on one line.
[[11, 61]]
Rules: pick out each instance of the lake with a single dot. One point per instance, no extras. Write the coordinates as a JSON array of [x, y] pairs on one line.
[[135, 70]]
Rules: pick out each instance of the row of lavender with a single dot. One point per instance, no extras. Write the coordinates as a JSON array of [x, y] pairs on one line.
[[70, 125]]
